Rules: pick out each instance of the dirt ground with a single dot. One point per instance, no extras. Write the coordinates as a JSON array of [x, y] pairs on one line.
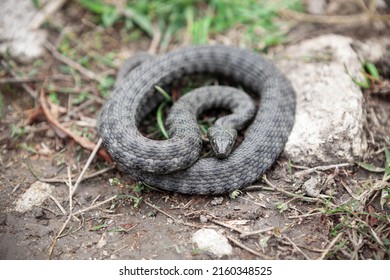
[[145, 223]]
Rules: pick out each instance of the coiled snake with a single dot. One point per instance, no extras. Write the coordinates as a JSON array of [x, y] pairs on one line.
[[173, 164]]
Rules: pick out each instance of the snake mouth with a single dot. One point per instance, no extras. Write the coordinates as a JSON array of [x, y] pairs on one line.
[[222, 148], [222, 141], [221, 156]]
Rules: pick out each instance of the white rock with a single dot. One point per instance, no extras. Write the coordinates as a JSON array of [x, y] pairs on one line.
[[15, 34], [372, 49], [212, 241], [34, 196], [329, 114]]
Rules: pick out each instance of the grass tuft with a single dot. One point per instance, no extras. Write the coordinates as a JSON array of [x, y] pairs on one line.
[[200, 19]]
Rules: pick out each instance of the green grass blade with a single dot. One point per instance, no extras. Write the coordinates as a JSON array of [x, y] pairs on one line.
[[141, 20], [370, 167], [289, 166], [372, 70], [365, 84], [160, 121], [95, 6], [167, 97], [110, 16], [98, 227]]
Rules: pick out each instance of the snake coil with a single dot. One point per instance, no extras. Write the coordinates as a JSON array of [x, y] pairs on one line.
[[169, 164]]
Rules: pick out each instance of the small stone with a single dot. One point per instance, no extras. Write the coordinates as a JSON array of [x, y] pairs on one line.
[[88, 244], [217, 201], [34, 196], [50, 133], [312, 187], [203, 219], [212, 242], [105, 253], [102, 241]]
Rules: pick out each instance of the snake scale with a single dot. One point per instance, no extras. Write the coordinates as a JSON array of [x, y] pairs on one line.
[[173, 164]]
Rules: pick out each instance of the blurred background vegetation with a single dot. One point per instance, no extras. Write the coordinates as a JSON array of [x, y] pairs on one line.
[[195, 21]]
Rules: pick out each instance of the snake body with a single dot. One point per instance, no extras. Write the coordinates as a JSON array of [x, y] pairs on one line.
[[170, 164]]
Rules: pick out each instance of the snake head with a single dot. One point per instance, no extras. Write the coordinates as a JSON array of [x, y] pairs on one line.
[[222, 140]]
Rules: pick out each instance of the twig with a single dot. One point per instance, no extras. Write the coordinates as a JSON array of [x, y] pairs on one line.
[[58, 204], [84, 142], [18, 80], [89, 176], [331, 244], [305, 215], [53, 244], [70, 191], [321, 168], [155, 41], [25, 86], [159, 210], [256, 203], [91, 157], [15, 188], [376, 237], [227, 226], [73, 215], [363, 197], [350, 19], [313, 249], [170, 216], [275, 188], [86, 72], [297, 248], [246, 234], [250, 250], [81, 222], [40, 17], [94, 206], [356, 241], [96, 198]]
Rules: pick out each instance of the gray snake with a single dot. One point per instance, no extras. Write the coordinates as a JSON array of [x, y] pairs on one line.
[[170, 164]]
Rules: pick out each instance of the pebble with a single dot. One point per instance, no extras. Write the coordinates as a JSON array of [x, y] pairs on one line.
[[213, 242], [35, 195], [217, 201]]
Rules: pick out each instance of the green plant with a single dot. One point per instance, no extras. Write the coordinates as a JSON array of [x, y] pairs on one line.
[[106, 85], [235, 194], [17, 131], [200, 19], [372, 168], [370, 75], [160, 121], [136, 200], [53, 97], [98, 227]]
